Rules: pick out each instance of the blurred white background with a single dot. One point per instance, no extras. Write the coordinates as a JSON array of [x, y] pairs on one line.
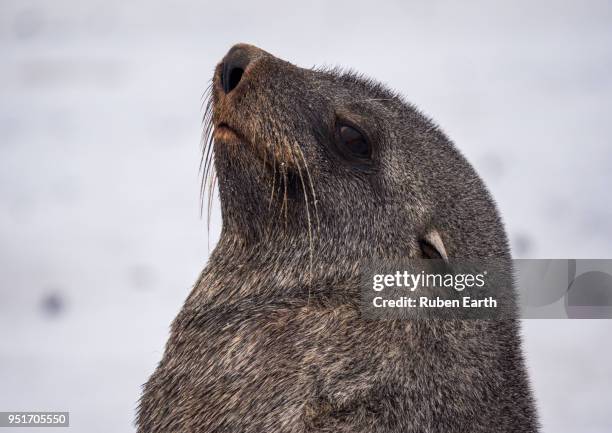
[[100, 122]]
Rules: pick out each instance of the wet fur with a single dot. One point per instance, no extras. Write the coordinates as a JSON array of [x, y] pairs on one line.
[[271, 338]]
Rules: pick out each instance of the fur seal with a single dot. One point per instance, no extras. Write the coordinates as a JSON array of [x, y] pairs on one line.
[[317, 170]]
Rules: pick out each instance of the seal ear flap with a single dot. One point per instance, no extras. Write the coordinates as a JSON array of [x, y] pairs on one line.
[[432, 246]]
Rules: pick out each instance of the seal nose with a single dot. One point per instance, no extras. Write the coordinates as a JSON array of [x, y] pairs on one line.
[[235, 63]]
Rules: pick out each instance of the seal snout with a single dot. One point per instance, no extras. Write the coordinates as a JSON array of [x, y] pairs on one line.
[[235, 63], [247, 110], [237, 67]]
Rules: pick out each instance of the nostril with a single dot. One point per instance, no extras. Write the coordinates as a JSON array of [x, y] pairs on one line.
[[235, 64], [230, 77], [235, 76]]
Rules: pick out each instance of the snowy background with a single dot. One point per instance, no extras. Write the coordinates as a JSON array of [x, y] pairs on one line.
[[100, 234]]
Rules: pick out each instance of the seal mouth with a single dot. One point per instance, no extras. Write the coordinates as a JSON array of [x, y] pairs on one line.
[[228, 134]]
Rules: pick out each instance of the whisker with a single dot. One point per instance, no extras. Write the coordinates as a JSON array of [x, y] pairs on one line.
[[314, 195], [272, 192], [285, 181], [211, 192], [206, 162], [310, 239], [206, 167]]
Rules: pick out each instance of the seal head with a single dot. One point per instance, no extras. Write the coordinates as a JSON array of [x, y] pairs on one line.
[[339, 158]]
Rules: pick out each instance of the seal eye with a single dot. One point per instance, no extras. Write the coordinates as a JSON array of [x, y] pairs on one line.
[[353, 143]]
